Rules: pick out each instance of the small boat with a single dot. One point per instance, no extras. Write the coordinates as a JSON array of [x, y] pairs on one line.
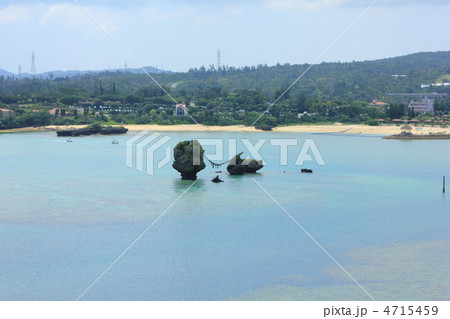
[[115, 142], [69, 140], [306, 170]]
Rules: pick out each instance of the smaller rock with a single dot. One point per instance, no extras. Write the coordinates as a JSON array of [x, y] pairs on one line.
[[253, 166], [238, 166], [217, 179]]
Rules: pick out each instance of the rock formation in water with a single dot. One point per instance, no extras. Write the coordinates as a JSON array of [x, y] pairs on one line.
[[264, 127], [216, 179], [253, 166], [238, 166], [234, 165], [92, 129], [188, 159]]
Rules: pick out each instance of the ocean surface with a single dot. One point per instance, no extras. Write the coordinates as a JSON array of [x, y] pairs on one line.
[[69, 210]]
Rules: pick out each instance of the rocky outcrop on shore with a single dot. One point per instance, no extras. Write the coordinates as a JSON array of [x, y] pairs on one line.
[[418, 137], [93, 129]]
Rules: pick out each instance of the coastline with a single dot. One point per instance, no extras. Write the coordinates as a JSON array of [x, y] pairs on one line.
[[327, 128], [25, 130], [418, 137]]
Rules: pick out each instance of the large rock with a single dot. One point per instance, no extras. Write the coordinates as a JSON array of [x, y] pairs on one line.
[[238, 166], [92, 129], [188, 159], [253, 166]]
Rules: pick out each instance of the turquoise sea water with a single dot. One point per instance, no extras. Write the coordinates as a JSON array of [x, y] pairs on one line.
[[68, 210]]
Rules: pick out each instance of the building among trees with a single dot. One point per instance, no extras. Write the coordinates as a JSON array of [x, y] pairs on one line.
[[55, 112], [378, 104], [426, 105], [5, 111], [181, 110]]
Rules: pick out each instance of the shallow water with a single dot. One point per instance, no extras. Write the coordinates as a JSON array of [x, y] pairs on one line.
[[68, 210]]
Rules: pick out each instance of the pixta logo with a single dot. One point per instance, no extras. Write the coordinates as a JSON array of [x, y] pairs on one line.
[[141, 150]]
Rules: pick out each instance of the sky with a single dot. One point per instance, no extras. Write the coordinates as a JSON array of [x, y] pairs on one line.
[[178, 34]]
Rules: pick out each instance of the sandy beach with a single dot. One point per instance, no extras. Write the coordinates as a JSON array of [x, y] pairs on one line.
[[25, 129], [335, 128], [332, 128]]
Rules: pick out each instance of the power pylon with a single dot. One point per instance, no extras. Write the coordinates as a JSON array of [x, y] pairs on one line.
[[218, 60], [33, 64]]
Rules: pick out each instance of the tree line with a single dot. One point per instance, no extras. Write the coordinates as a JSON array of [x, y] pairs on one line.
[[330, 92]]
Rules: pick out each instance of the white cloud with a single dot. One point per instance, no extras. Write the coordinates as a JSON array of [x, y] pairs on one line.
[[207, 20], [233, 10], [305, 4], [72, 15], [321, 4], [210, 16], [64, 13], [13, 13], [158, 15]]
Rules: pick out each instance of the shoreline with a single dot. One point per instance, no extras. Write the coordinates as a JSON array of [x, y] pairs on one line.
[[418, 137], [326, 128], [25, 130]]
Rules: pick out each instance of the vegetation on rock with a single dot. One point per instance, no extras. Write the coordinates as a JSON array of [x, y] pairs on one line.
[[93, 129], [188, 157], [238, 166]]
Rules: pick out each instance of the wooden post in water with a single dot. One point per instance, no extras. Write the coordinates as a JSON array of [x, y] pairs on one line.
[[443, 184]]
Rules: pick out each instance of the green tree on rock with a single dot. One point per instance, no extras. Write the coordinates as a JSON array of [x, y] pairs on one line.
[[188, 159]]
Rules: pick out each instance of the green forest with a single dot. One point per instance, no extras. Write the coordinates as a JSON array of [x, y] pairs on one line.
[[328, 92]]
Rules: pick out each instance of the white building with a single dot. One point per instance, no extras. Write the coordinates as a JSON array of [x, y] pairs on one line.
[[181, 110], [426, 105]]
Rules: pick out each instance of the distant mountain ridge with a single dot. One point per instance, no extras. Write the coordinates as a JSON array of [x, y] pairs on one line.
[[342, 81], [71, 73], [6, 73]]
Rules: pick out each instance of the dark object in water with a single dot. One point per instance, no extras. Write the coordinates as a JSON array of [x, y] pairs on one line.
[[443, 184], [218, 171], [216, 179], [306, 170]]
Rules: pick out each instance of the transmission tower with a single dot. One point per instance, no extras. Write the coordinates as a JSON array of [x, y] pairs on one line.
[[218, 60], [20, 69], [33, 64]]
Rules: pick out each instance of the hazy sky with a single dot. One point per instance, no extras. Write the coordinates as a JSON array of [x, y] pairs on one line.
[[178, 34]]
